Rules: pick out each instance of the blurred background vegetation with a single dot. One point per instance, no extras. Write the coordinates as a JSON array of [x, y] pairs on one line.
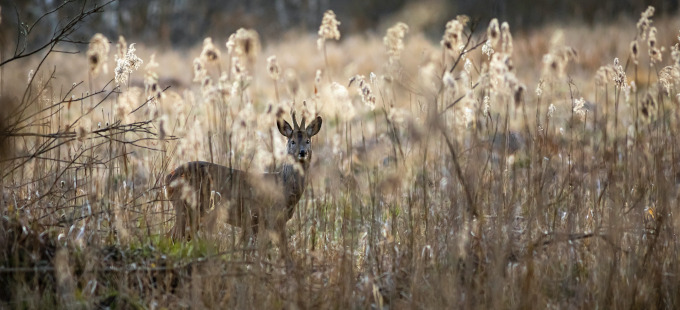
[[182, 23]]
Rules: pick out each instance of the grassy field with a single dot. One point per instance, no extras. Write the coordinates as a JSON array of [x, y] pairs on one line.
[[489, 170]]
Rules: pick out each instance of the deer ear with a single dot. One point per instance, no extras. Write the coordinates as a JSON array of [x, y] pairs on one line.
[[314, 126], [284, 128]]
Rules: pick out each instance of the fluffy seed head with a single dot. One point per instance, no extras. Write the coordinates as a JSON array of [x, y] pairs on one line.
[[97, 54], [127, 64], [651, 40], [645, 21], [273, 67], [199, 70], [244, 43], [467, 66], [237, 69], [486, 102], [493, 33], [654, 52], [579, 108], [210, 54], [647, 106], [394, 41], [453, 37], [463, 19], [667, 77], [619, 74], [555, 62], [365, 91], [487, 49], [506, 39], [329, 26], [328, 29], [551, 110], [539, 89], [675, 54], [634, 51]]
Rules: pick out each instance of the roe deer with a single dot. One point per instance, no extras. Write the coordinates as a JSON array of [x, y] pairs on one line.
[[250, 198]]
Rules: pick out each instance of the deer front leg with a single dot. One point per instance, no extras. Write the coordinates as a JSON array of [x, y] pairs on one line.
[[254, 228], [193, 216], [283, 237], [177, 231]]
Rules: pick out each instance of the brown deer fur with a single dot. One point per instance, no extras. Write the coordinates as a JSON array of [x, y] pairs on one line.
[[250, 198]]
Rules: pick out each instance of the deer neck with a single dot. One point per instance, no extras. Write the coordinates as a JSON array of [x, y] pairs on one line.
[[293, 178]]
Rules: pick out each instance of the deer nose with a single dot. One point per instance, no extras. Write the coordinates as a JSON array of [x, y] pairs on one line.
[[303, 153]]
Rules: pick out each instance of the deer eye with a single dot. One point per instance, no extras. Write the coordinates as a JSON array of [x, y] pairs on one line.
[[292, 142], [309, 141]]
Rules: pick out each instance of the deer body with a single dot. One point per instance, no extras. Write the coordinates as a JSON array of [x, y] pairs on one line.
[[250, 198]]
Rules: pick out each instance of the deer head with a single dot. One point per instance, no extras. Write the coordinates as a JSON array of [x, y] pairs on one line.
[[299, 144]]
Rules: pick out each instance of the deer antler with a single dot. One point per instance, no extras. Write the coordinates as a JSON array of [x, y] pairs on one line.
[[295, 123], [302, 124]]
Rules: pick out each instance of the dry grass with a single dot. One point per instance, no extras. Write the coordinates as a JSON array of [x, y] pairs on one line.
[[437, 182]]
